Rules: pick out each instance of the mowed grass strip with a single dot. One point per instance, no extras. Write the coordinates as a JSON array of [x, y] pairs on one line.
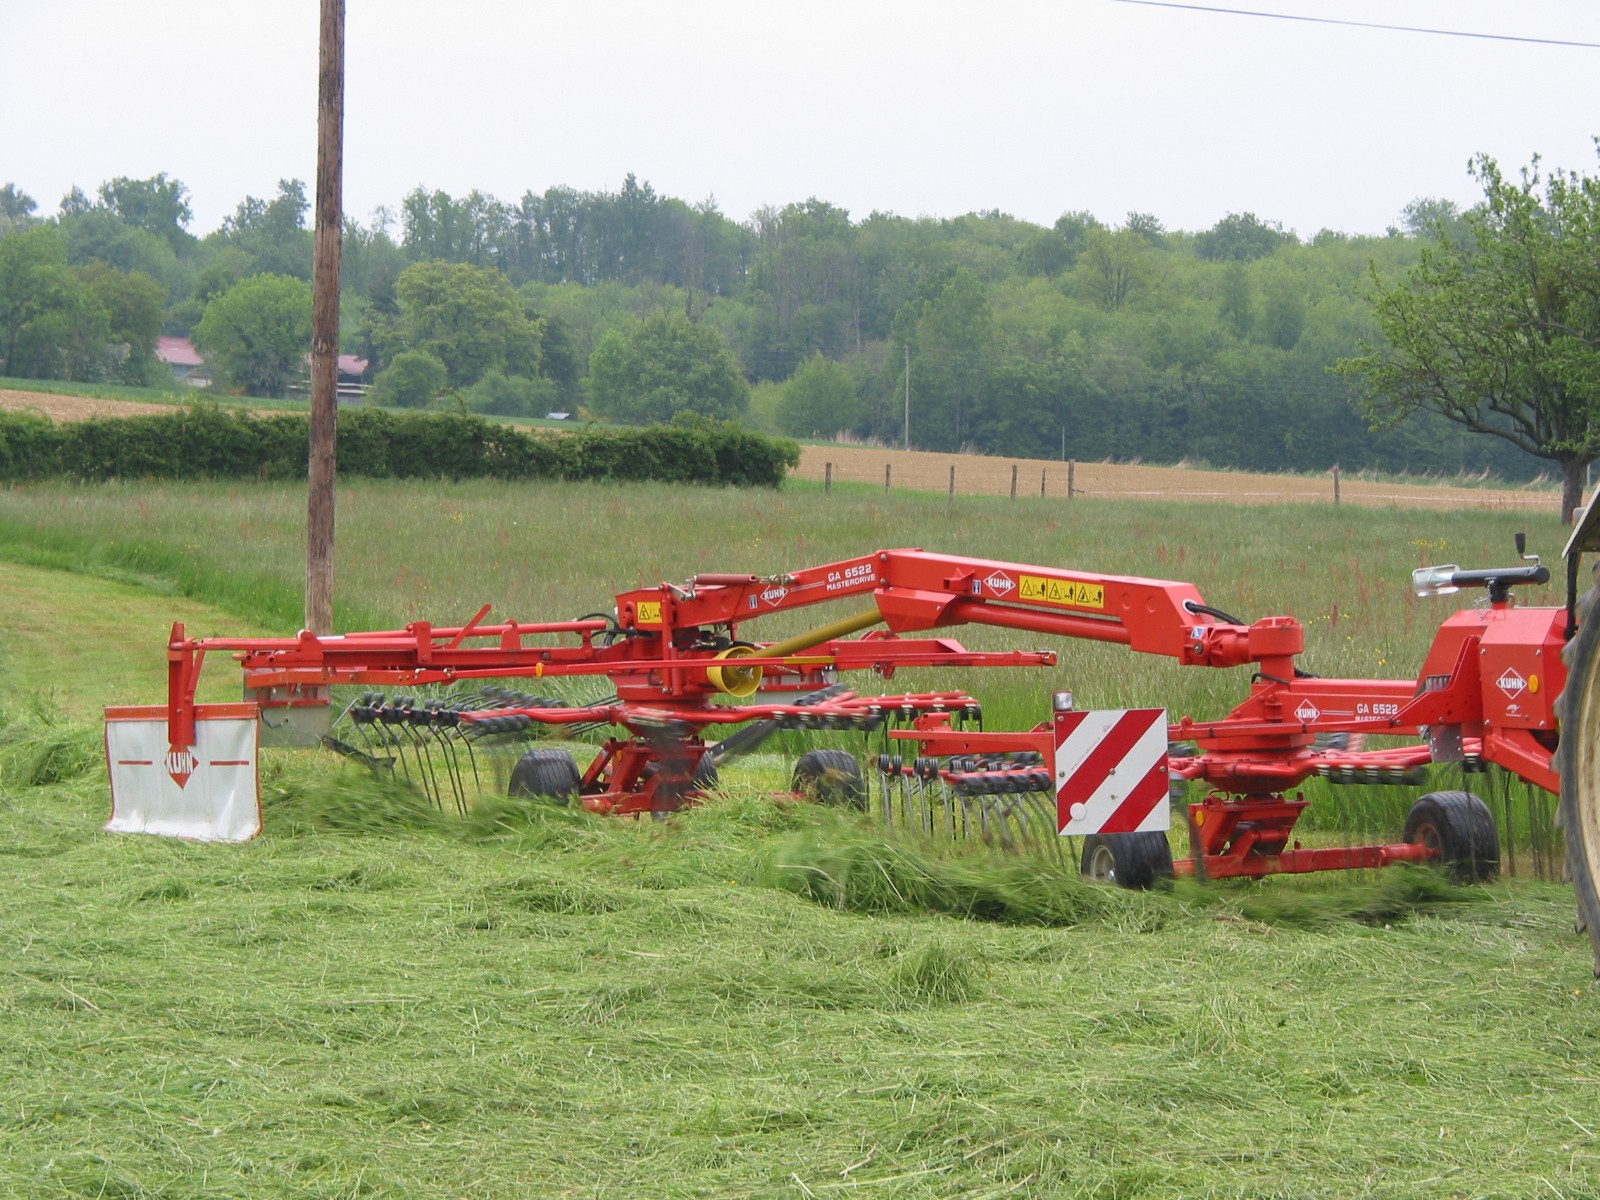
[[79, 643], [594, 1008]]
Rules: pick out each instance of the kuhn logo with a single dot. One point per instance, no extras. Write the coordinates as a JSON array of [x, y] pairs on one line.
[[999, 583], [1307, 711], [181, 764], [774, 595], [1511, 683]]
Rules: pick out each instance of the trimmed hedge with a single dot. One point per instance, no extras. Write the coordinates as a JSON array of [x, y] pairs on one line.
[[207, 442]]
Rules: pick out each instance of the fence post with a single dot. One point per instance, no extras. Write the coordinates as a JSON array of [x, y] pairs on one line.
[[887, 467], [1072, 471], [1336, 486], [1041, 483], [827, 479], [1013, 481], [951, 501]]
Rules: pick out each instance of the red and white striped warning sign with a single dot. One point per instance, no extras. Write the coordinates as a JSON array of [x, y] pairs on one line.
[[1111, 771]]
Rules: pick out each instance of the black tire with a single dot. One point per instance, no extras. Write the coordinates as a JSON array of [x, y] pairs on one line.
[[830, 777], [547, 774], [1460, 827], [1578, 762], [706, 776], [1131, 860]]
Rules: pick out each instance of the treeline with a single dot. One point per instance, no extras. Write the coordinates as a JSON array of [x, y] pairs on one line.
[[996, 334], [209, 442]]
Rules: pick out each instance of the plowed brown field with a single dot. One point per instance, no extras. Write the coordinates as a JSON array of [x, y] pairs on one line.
[[981, 475], [74, 408]]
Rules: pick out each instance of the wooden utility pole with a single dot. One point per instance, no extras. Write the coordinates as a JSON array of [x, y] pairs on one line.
[[325, 320]]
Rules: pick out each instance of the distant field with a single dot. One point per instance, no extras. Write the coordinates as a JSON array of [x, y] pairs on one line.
[[73, 408], [984, 475]]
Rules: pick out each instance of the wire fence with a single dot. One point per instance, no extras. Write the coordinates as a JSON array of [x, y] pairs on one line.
[[981, 475]]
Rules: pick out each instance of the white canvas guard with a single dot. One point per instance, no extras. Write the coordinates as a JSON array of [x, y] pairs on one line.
[[208, 792]]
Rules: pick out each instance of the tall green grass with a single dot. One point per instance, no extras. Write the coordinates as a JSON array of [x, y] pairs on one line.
[[549, 551]]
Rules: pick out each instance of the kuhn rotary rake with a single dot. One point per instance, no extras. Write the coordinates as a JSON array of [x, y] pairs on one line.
[[680, 674]]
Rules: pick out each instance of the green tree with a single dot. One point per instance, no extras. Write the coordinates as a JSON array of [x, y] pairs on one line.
[[1237, 306], [467, 317], [34, 281], [1500, 332], [256, 335], [819, 400], [157, 205], [1240, 237], [1283, 311], [412, 380], [1112, 268], [1046, 253], [1147, 226], [16, 207], [664, 366], [1427, 217], [1074, 227], [273, 232], [99, 235], [52, 324], [134, 304], [956, 336]]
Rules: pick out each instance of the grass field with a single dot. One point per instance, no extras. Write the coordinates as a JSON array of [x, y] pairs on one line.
[[753, 999]]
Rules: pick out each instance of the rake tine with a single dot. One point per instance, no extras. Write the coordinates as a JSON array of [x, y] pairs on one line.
[[389, 715], [419, 739], [447, 732], [405, 739], [472, 758], [452, 768], [425, 773]]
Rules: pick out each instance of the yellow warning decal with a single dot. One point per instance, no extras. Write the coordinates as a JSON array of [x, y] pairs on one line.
[[649, 612], [1070, 592]]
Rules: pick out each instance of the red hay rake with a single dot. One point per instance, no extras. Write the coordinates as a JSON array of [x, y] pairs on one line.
[[687, 692]]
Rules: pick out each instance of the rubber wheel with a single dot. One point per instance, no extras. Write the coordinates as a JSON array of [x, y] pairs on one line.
[[549, 774], [706, 776], [1130, 860], [1460, 827], [830, 777], [1578, 761]]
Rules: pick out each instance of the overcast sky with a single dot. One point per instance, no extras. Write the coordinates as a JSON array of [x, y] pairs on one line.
[[940, 107]]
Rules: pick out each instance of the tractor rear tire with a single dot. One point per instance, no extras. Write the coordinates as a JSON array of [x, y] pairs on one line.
[[1460, 827], [1578, 762], [830, 777], [547, 774], [1132, 860]]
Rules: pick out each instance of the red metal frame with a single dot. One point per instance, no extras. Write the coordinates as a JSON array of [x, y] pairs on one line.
[[1484, 693]]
